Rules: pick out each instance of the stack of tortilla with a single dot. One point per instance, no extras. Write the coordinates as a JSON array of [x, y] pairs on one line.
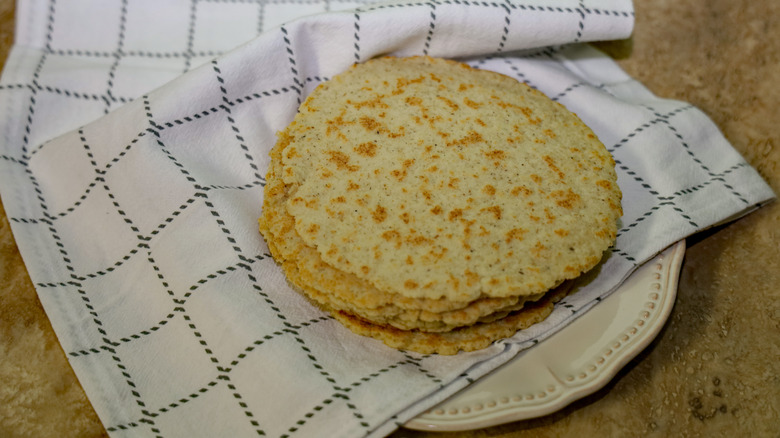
[[435, 206]]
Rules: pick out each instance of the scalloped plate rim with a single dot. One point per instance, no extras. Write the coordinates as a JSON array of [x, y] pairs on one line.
[[508, 406]]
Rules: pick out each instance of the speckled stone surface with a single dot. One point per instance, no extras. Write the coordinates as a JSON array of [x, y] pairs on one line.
[[714, 369]]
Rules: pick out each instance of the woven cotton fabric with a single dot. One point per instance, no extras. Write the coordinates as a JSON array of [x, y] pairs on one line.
[[135, 139]]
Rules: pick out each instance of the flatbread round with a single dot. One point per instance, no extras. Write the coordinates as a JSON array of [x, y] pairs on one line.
[[430, 179]]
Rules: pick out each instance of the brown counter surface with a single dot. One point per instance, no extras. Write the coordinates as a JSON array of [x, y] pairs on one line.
[[715, 368]]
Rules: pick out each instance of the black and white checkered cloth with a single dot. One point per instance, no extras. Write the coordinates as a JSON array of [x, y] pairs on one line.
[[136, 210]]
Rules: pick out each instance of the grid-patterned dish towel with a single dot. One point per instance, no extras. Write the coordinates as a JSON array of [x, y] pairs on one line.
[[139, 228]]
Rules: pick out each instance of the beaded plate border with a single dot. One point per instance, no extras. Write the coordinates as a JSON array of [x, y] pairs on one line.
[[573, 363]]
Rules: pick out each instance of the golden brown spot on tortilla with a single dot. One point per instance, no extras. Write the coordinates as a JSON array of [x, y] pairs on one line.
[[455, 213], [503, 104], [417, 239], [604, 233], [453, 106], [392, 236], [410, 284], [335, 125], [370, 124], [538, 249], [367, 149], [467, 226], [365, 269], [565, 199], [341, 161], [380, 214], [471, 277], [436, 210], [470, 103], [561, 232], [404, 217], [515, 234], [401, 132], [413, 100], [495, 210], [496, 154], [401, 174], [468, 139], [402, 83], [616, 207], [285, 139], [376, 102], [339, 199], [489, 190], [437, 255], [352, 186], [551, 164], [528, 112], [453, 184], [521, 189], [291, 152], [604, 184]]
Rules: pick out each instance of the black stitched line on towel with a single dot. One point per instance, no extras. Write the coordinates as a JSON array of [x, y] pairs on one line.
[[714, 177], [664, 200], [431, 28], [298, 87], [356, 34], [118, 54], [189, 54], [233, 125]]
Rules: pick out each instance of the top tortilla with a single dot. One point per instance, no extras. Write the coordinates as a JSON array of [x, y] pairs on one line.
[[430, 179]]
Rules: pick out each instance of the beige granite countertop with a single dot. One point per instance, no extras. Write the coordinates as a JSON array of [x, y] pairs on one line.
[[715, 368]]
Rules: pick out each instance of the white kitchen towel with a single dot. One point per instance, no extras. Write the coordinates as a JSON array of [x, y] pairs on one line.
[[136, 210]]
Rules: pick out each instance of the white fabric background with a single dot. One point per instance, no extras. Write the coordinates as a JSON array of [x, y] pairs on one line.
[[134, 147]]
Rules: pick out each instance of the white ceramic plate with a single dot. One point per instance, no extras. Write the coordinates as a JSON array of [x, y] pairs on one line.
[[573, 363]]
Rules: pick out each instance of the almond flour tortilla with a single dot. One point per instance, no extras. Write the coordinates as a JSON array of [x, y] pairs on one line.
[[431, 179]]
